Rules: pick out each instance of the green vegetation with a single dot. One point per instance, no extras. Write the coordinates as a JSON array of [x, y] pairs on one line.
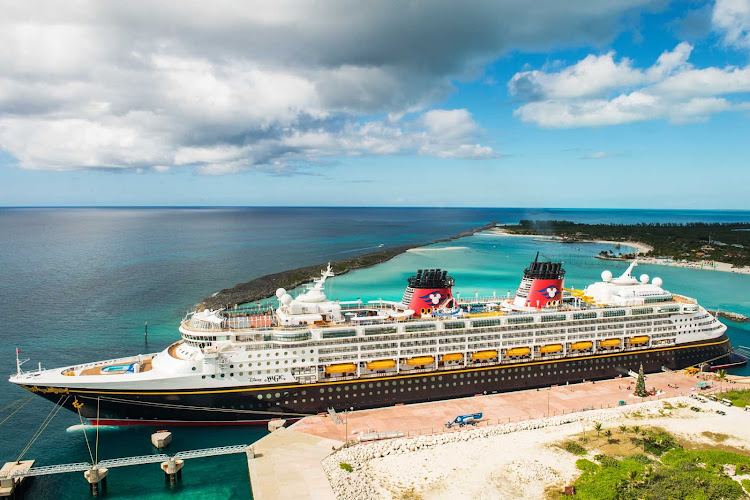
[[694, 241], [679, 473], [738, 397], [640, 384], [746, 485], [345, 466], [574, 448]]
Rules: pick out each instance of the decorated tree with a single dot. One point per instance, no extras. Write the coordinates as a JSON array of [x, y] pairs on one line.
[[640, 384]]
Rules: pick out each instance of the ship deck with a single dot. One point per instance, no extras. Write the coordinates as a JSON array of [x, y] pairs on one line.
[[115, 368]]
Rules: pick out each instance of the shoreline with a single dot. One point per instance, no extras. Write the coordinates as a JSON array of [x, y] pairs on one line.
[[265, 286], [641, 248]]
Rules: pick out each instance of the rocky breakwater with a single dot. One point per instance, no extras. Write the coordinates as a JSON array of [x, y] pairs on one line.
[[731, 316], [360, 484], [266, 286]]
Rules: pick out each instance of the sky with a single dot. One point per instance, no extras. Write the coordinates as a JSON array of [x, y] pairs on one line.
[[606, 104]]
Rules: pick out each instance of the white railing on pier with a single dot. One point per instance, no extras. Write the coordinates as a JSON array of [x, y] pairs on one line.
[[53, 469], [211, 452], [126, 461]]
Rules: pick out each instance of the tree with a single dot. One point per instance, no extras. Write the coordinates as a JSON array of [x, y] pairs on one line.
[[721, 376], [632, 478], [598, 429], [623, 428], [640, 384]]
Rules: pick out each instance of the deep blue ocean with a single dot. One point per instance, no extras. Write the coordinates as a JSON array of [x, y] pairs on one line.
[[78, 284]]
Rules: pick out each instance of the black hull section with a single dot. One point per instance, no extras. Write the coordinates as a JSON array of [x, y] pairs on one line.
[[255, 405]]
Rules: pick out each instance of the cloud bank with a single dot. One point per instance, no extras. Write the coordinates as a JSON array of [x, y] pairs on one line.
[[600, 90], [227, 86]]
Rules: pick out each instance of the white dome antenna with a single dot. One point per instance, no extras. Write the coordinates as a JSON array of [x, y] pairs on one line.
[[286, 299], [280, 293], [606, 276], [644, 278], [657, 281]]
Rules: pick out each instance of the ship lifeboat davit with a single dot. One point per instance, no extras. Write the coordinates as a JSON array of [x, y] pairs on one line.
[[479, 355], [581, 346], [420, 361], [455, 356], [551, 348], [638, 340], [382, 364], [341, 368], [518, 351], [609, 343]]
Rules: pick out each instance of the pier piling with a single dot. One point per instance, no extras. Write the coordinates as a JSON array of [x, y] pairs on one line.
[[172, 470], [95, 476]]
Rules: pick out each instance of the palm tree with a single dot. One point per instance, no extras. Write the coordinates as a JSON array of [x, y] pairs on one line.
[[598, 429], [721, 376], [632, 478], [608, 433], [623, 428]]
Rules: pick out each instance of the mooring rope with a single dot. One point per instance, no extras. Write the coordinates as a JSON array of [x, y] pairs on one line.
[[15, 402], [16, 410], [51, 415]]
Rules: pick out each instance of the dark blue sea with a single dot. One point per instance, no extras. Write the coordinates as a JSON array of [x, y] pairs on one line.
[[78, 284]]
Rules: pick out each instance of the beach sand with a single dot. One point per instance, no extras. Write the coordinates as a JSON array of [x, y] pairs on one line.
[[522, 463], [641, 249]]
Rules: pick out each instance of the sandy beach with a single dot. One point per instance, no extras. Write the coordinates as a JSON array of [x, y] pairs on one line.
[[442, 249], [518, 460], [641, 249]]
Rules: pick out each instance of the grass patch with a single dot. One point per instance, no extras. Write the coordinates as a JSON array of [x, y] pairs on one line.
[[746, 484], [715, 436], [345, 466], [665, 470], [573, 447], [738, 397]]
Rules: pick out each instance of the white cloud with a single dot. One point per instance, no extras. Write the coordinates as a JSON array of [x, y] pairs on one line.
[[231, 85], [732, 19], [670, 89]]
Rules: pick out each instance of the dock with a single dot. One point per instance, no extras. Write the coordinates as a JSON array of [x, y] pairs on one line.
[[287, 465], [287, 462]]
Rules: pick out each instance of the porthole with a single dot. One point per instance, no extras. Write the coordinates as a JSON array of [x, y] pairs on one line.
[[260, 396], [193, 368]]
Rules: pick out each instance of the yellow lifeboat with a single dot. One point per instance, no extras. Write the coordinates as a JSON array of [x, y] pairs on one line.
[[581, 346], [609, 343], [518, 351], [638, 340], [479, 355], [381, 364], [341, 368], [456, 356], [547, 349], [420, 361]]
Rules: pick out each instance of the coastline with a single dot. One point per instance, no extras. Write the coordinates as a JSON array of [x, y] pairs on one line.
[[641, 248], [265, 286]]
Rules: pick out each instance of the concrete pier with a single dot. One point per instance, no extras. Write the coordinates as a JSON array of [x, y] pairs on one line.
[[96, 475], [10, 487], [286, 464], [172, 470]]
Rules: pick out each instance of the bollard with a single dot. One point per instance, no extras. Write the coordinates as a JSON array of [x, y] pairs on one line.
[[95, 476], [172, 470]]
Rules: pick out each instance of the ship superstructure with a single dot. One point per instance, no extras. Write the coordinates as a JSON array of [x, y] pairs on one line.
[[248, 365]]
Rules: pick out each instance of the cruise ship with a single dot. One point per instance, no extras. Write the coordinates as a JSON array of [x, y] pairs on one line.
[[307, 354]]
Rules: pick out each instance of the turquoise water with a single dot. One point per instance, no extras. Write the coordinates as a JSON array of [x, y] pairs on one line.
[[77, 285]]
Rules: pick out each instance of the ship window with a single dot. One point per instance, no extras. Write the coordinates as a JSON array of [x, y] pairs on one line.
[[338, 388], [322, 391], [260, 396], [203, 376], [330, 389]]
